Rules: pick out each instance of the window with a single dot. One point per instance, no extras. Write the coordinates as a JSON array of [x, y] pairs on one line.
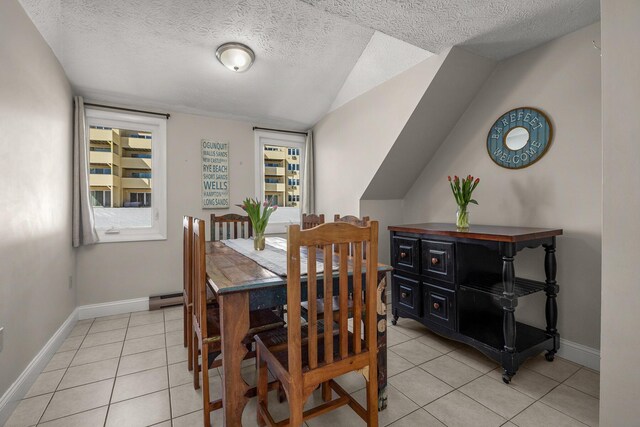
[[127, 175], [101, 199], [280, 169]]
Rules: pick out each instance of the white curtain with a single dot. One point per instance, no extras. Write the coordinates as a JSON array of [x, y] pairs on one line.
[[308, 192], [84, 230]]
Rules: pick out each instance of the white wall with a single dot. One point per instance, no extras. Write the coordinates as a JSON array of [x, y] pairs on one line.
[[620, 376], [386, 212], [36, 256], [119, 271], [562, 190]]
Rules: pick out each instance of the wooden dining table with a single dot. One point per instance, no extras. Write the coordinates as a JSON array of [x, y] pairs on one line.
[[240, 284]]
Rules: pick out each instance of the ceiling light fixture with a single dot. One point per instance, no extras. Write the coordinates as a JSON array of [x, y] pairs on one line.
[[235, 56]]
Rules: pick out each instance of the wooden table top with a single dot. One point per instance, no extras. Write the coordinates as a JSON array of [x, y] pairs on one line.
[[229, 271], [480, 232]]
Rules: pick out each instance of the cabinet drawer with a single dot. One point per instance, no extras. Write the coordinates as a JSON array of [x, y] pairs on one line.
[[440, 306], [438, 260], [406, 294], [406, 254]]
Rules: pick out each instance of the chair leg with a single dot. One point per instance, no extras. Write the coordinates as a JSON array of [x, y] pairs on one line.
[[296, 408], [206, 401], [185, 330], [194, 361], [372, 404], [263, 380], [326, 392], [189, 326]]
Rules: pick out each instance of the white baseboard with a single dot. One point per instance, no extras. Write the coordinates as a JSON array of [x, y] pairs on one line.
[[23, 383], [578, 353], [111, 308]]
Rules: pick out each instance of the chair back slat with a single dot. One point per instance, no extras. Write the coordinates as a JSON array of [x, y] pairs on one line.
[[350, 269], [200, 278], [371, 290], [350, 219], [327, 297], [312, 295], [187, 247], [225, 224], [311, 220], [343, 280], [357, 297]]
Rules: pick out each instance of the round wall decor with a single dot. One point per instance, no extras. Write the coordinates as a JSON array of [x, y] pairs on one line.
[[519, 138]]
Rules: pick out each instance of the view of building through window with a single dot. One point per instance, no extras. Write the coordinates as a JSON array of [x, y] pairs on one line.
[[120, 177], [282, 175]]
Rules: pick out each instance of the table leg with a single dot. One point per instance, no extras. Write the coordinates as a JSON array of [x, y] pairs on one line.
[[382, 340], [509, 302], [234, 319], [551, 290]]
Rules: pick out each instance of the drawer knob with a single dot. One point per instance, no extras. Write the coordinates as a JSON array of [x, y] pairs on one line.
[[404, 295], [403, 254], [434, 261], [436, 305]]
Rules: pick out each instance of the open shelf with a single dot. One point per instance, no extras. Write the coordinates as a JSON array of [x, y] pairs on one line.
[[491, 284], [488, 330]]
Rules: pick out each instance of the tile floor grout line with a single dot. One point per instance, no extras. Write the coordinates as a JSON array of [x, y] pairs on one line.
[[74, 414], [166, 352], [513, 389], [115, 378], [466, 395], [559, 410], [65, 372]]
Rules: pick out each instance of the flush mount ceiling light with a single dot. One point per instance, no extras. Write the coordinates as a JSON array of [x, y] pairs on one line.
[[235, 56]]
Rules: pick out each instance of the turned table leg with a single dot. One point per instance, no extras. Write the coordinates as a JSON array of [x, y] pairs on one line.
[[509, 302], [234, 313], [551, 290], [382, 340]]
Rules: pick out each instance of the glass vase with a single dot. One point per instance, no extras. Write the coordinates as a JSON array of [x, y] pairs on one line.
[[258, 242], [462, 218]]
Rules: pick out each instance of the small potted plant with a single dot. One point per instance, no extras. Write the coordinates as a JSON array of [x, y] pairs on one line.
[[259, 214], [462, 192]]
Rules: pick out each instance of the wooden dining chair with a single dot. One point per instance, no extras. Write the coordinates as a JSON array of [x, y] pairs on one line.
[[206, 323], [311, 220], [187, 271], [225, 223], [312, 357], [349, 219]]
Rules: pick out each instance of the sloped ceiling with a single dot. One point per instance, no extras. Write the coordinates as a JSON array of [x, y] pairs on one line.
[[492, 28], [450, 92], [383, 58]]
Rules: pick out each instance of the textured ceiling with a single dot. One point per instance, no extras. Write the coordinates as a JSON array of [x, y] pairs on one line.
[[492, 28], [310, 54], [162, 53]]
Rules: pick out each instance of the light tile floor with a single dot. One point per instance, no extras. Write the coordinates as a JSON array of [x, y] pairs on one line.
[[130, 370]]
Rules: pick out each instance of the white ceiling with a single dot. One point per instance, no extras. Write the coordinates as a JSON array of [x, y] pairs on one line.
[[493, 28], [383, 58], [162, 53], [310, 54]]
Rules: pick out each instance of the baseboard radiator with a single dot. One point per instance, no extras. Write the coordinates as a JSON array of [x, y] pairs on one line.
[[156, 302]]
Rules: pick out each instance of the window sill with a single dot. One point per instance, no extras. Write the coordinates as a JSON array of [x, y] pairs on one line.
[[121, 238], [278, 228]]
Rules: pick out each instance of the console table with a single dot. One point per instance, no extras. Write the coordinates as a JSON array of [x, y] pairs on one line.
[[462, 285]]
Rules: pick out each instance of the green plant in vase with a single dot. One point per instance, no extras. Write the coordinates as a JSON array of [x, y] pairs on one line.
[[259, 214], [462, 191]]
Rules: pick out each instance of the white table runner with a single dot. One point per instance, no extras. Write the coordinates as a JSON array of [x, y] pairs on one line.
[[273, 257]]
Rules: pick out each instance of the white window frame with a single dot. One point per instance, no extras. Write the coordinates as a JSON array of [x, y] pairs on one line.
[[158, 129], [283, 216]]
